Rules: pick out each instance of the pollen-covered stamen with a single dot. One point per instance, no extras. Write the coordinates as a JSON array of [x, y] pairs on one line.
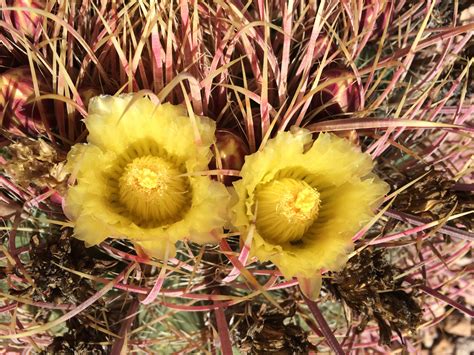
[[152, 190], [286, 208], [299, 204], [144, 178]]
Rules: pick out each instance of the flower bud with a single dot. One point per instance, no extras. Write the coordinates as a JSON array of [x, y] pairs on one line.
[[232, 151], [19, 115], [339, 97]]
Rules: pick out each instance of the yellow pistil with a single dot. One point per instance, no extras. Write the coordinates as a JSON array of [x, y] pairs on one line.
[[302, 205], [286, 208], [146, 178]]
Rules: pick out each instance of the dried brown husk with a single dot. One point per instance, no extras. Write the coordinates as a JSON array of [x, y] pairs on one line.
[[49, 257], [432, 197], [368, 286], [263, 329], [37, 163]]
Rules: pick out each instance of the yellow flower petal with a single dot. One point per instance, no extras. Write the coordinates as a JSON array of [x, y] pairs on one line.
[[138, 178], [161, 251], [306, 201], [116, 122]]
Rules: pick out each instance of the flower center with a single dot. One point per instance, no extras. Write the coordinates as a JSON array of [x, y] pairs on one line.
[[286, 208], [152, 190], [301, 204], [146, 178], [148, 175]]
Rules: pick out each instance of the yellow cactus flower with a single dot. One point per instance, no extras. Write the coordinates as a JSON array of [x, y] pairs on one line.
[[306, 200], [140, 176]]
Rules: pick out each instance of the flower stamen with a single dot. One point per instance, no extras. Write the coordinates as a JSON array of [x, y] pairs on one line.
[[151, 189], [300, 206], [286, 209], [145, 178]]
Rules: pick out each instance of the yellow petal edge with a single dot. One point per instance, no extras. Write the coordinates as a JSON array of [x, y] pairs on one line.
[[307, 199], [140, 176]]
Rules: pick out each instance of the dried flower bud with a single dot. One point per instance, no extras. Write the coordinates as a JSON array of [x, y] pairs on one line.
[[232, 151], [337, 98], [36, 162], [26, 21], [18, 115], [368, 286]]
